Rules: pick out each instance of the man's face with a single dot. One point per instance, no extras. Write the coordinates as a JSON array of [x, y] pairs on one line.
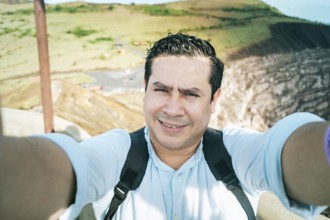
[[177, 103]]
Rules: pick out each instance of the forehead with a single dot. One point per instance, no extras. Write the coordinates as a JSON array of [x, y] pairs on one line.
[[181, 69]]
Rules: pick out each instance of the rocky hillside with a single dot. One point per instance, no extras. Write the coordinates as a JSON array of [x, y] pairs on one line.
[[257, 91], [286, 73], [97, 113]]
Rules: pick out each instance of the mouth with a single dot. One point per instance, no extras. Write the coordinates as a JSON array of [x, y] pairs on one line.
[[171, 126]]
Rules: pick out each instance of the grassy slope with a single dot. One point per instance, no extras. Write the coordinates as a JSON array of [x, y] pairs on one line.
[[229, 25]]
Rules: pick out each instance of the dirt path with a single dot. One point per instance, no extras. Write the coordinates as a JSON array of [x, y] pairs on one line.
[[114, 81], [118, 80]]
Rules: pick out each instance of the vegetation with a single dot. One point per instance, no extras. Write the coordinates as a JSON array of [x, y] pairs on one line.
[[159, 10], [101, 39], [65, 8], [81, 32], [82, 8], [8, 30], [27, 11], [26, 32], [251, 9]]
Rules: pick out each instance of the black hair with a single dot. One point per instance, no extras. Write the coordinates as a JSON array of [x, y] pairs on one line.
[[186, 45]]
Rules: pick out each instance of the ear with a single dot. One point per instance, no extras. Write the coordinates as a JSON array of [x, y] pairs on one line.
[[215, 99]]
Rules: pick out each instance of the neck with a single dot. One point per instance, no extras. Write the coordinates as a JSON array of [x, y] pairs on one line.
[[174, 157]]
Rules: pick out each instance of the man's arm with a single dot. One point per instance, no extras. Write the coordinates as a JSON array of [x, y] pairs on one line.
[[37, 180], [306, 171]]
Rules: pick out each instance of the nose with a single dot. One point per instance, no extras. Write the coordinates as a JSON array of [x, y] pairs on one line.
[[174, 106]]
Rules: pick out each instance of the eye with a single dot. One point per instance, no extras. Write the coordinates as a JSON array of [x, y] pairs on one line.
[[160, 90], [193, 95]]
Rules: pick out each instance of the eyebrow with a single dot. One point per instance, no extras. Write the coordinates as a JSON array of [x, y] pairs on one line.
[[193, 90], [162, 86]]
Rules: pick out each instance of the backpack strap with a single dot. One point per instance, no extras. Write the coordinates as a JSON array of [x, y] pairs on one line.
[[219, 161], [133, 171], [216, 156]]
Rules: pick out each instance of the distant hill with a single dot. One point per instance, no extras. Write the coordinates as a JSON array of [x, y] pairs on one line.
[[15, 1], [288, 37], [84, 36]]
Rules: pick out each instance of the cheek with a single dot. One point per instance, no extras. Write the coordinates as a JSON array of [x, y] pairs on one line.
[[145, 105], [150, 104], [199, 109]]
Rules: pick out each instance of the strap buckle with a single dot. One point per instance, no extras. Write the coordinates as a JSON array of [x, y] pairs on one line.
[[121, 190], [231, 180]]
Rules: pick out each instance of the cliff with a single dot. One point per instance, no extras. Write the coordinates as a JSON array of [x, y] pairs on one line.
[[259, 90], [289, 72]]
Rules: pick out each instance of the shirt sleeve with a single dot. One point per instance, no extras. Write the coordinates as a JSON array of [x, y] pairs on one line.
[[256, 159], [96, 162], [79, 164]]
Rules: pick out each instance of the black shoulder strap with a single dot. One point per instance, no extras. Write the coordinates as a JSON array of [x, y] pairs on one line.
[[133, 171], [219, 161], [216, 155]]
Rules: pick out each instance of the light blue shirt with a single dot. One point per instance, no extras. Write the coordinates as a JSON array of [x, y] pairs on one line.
[[191, 192]]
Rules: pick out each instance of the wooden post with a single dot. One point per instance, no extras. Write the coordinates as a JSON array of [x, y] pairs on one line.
[[45, 81]]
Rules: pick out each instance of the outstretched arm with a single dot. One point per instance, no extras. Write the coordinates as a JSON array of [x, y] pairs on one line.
[[305, 167], [37, 180]]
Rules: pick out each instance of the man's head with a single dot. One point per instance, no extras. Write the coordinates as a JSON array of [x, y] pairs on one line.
[[181, 74], [185, 45]]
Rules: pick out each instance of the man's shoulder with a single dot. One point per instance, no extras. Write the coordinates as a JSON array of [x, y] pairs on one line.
[[113, 138], [113, 133]]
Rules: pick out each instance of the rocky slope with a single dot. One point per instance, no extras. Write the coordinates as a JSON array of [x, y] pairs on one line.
[[257, 91], [96, 113]]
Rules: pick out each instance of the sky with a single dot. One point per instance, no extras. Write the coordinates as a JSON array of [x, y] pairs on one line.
[[314, 10]]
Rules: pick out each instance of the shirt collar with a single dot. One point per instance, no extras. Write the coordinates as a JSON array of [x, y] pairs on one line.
[[192, 161]]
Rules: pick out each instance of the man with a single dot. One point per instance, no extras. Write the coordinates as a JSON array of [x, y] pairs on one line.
[[182, 83]]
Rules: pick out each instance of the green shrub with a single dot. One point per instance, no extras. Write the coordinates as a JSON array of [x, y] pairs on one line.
[[83, 8], [80, 32], [57, 8], [254, 10], [159, 10], [8, 31], [29, 11], [72, 10], [27, 32], [101, 39]]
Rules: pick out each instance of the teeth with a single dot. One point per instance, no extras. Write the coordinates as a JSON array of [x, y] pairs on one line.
[[170, 126]]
